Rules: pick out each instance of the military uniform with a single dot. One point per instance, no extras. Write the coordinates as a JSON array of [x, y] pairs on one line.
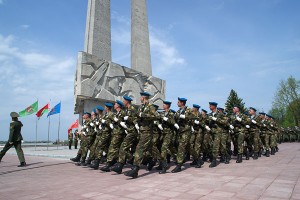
[[76, 138], [15, 139], [70, 139], [254, 131]]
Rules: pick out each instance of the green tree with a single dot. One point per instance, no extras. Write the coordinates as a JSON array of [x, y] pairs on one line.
[[234, 100], [287, 102]]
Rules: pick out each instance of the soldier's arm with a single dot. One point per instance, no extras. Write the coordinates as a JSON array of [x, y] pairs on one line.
[[11, 132]]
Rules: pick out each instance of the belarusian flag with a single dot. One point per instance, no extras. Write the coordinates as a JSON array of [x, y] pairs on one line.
[[29, 110], [42, 111]]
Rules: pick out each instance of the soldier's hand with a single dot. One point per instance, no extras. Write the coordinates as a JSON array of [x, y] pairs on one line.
[[103, 121], [111, 126], [207, 128], [100, 127], [247, 126], [137, 127], [196, 122], [116, 119], [97, 123], [176, 126], [182, 116], [165, 118], [214, 118], [160, 127], [92, 124], [192, 129], [239, 119], [141, 114], [123, 125], [253, 121], [125, 118], [231, 127], [83, 133]]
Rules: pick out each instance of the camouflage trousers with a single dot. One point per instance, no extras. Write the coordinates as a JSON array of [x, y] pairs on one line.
[[195, 144], [273, 142], [75, 143], [143, 146], [70, 143], [87, 146], [265, 138], [224, 143], [248, 146], [240, 138], [166, 146], [114, 147], [154, 152], [256, 141], [207, 143], [216, 136], [128, 142], [103, 144], [183, 139], [93, 148]]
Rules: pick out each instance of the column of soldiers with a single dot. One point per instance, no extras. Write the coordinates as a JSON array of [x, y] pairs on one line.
[[140, 136]]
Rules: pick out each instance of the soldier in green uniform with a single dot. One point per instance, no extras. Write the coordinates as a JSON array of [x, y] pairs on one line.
[[76, 138], [105, 138], [70, 138], [207, 139], [118, 134], [224, 152], [265, 138], [15, 139], [254, 131], [216, 122], [146, 116], [183, 118], [130, 139]]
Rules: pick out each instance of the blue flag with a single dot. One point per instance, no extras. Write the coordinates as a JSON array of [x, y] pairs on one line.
[[54, 110]]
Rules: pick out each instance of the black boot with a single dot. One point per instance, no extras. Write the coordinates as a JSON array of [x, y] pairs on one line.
[[247, 155], [222, 159], [239, 158], [273, 151], [213, 163], [260, 152], [204, 157], [22, 164], [276, 149], [106, 168], [227, 159], [81, 163], [133, 172], [267, 153], [95, 165], [193, 163], [187, 157], [165, 167], [151, 164], [255, 156], [177, 168], [159, 167], [76, 159], [168, 158], [117, 168], [87, 162], [199, 163]]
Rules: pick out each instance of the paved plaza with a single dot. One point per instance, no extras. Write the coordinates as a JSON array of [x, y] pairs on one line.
[[50, 175]]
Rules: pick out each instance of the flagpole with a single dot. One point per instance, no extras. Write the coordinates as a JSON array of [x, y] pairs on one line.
[[58, 130], [48, 132], [36, 129]]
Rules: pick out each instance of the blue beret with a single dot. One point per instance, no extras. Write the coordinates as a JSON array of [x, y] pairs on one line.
[[109, 105], [219, 108], [94, 110], [213, 103], [156, 106], [173, 111], [182, 99], [204, 110], [196, 106], [99, 108], [262, 113], [145, 94], [167, 102], [87, 113], [252, 109], [127, 98], [269, 116], [120, 103]]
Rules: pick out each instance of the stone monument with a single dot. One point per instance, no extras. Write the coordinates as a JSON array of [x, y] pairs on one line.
[[98, 79]]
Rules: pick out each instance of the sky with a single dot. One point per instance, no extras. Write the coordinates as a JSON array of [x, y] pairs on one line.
[[202, 48]]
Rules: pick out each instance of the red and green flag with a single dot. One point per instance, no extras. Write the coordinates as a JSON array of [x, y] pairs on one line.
[[42, 111], [29, 110]]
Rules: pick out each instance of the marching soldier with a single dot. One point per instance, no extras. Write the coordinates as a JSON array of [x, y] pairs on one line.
[[70, 138], [76, 138], [224, 152], [15, 139], [254, 131], [265, 137]]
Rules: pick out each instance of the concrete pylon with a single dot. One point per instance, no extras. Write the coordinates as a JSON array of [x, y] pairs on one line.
[[98, 31], [140, 45]]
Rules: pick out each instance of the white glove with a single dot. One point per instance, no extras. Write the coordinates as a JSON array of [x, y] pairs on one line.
[[125, 118], [95, 129], [103, 121], [192, 129], [100, 127], [253, 121], [87, 130], [264, 125], [116, 119], [165, 119], [84, 126], [137, 127], [111, 126], [207, 128], [126, 132], [271, 125], [123, 125], [231, 127], [97, 123], [160, 127], [155, 122], [92, 124], [182, 116], [196, 122], [176, 126], [214, 118], [83, 133], [247, 126], [140, 114], [239, 119]]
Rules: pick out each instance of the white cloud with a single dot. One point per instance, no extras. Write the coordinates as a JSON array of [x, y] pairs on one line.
[[24, 26]]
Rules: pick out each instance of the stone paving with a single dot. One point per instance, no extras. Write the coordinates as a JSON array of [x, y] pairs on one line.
[[276, 177]]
